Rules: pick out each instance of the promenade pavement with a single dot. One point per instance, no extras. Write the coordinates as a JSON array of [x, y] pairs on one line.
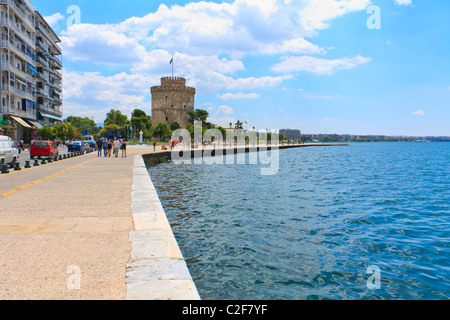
[[67, 224]]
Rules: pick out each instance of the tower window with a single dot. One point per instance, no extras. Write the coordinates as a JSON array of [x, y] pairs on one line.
[[171, 106], [167, 119]]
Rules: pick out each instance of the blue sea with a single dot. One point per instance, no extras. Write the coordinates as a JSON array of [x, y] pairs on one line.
[[364, 221]]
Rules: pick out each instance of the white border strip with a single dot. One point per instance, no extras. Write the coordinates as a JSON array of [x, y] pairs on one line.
[[157, 270]]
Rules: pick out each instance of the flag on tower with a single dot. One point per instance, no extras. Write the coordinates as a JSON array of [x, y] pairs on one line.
[[171, 61]]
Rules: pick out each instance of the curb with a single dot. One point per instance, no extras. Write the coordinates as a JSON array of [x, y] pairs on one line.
[[157, 270]]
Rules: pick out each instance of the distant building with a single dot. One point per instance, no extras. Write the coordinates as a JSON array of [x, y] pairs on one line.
[[171, 102], [291, 134]]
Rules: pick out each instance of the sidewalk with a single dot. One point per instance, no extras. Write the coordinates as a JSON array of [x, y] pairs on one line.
[[72, 213]]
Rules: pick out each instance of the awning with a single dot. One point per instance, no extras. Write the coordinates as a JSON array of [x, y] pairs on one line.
[[21, 121], [35, 123], [50, 116], [32, 68], [31, 102], [19, 39]]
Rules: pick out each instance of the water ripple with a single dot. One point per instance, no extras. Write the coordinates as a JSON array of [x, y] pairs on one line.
[[312, 230]]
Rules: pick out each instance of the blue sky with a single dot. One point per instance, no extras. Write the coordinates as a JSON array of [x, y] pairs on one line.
[[312, 65]]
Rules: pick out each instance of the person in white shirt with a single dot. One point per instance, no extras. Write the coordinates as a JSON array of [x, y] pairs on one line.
[[116, 147]]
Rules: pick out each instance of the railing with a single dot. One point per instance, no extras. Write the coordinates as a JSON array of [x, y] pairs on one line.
[[42, 29], [19, 32], [19, 12], [56, 61]]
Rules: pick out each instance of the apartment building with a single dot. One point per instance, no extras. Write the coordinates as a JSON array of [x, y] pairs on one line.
[[30, 71], [49, 80]]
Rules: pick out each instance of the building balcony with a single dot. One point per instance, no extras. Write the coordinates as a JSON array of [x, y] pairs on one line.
[[52, 45], [55, 63], [29, 20]]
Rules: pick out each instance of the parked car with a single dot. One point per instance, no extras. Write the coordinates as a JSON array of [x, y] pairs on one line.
[[9, 153], [92, 144], [76, 146], [45, 149]]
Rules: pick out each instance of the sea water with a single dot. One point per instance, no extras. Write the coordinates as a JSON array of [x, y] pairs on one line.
[[365, 221]]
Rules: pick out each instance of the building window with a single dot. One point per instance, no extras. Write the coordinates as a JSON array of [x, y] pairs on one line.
[[167, 119], [171, 106]]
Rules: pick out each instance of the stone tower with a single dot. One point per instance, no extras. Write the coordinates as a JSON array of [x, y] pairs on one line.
[[171, 101]]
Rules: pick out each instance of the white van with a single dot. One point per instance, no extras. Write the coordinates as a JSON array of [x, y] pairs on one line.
[[9, 153]]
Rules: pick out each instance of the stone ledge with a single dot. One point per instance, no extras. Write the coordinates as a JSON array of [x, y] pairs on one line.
[[157, 270]]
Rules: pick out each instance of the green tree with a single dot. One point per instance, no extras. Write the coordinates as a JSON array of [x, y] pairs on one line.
[[198, 115], [161, 131], [71, 131], [116, 117], [175, 126], [82, 124], [110, 129], [61, 131], [45, 133], [141, 120]]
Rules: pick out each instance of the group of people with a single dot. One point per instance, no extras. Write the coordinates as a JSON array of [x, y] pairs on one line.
[[111, 147]]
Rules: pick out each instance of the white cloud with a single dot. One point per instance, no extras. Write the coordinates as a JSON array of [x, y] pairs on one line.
[[237, 96], [403, 2], [85, 92], [318, 13], [418, 113], [223, 116], [100, 44], [54, 19], [317, 65]]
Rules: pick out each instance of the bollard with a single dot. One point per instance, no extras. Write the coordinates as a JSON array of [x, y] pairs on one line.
[[50, 160], [64, 156], [43, 161], [27, 164], [36, 163], [55, 159], [5, 168], [17, 167], [60, 157]]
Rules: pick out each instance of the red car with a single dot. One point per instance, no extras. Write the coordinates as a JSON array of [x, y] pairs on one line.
[[43, 149]]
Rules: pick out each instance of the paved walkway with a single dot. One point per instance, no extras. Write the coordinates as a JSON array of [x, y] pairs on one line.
[[65, 226]]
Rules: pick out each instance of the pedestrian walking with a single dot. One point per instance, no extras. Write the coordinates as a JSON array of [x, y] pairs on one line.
[[116, 147], [105, 147], [123, 146], [109, 147], [99, 148], [154, 145]]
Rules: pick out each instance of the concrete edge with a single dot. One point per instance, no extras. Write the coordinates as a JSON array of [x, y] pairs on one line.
[[156, 270]]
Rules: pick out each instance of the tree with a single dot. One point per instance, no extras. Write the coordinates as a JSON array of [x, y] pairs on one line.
[[61, 131], [116, 117], [140, 120], [161, 131], [175, 126], [110, 129], [198, 115], [82, 124], [45, 133]]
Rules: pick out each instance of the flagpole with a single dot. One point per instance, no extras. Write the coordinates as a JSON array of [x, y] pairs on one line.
[[173, 62]]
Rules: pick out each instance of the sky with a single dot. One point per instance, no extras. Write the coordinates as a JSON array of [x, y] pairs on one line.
[[357, 67]]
